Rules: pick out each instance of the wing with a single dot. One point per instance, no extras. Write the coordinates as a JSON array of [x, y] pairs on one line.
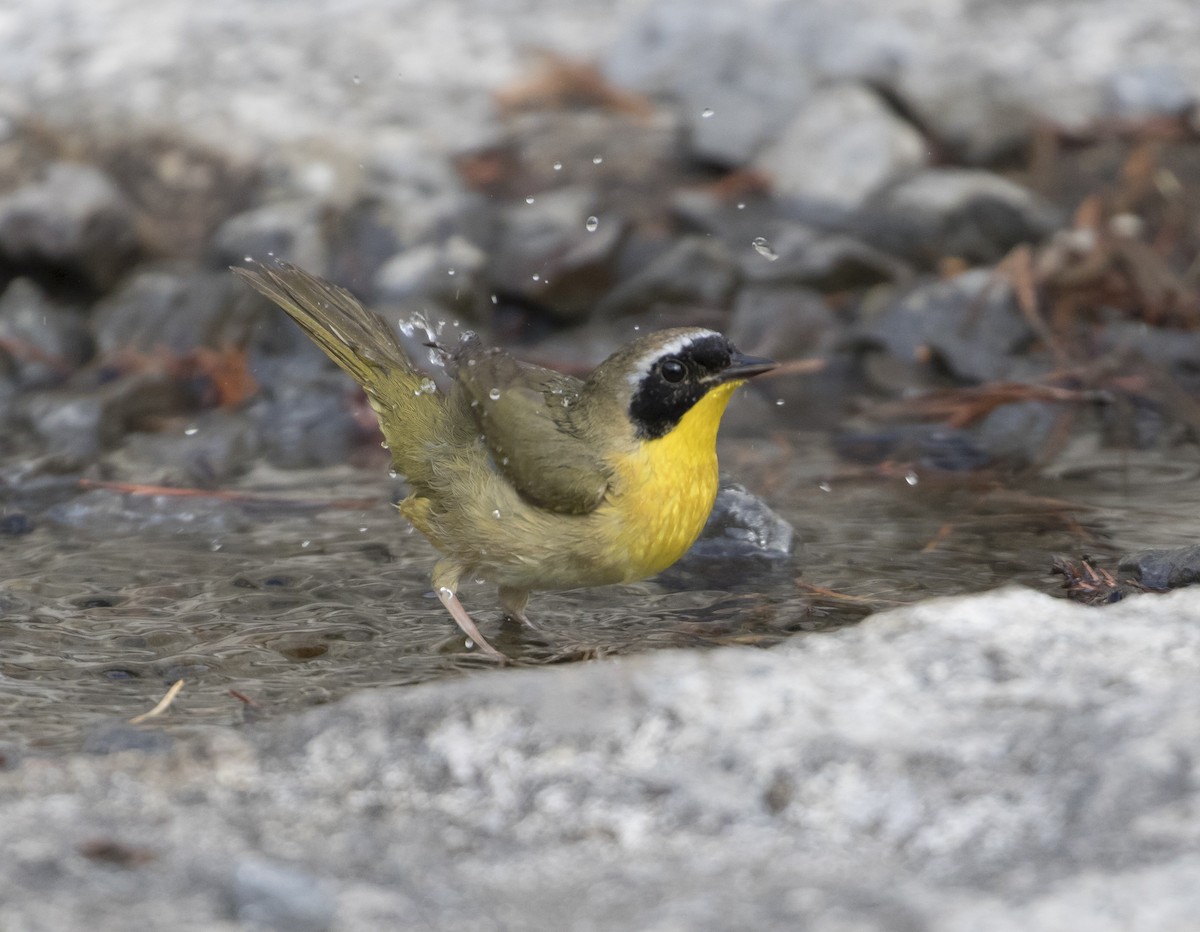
[[528, 417]]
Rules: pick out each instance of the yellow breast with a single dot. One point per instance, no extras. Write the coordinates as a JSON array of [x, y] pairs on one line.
[[665, 491]]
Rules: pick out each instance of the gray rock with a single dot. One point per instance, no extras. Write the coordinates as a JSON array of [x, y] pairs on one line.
[[841, 147], [212, 449], [449, 273], [75, 222], [82, 422], [45, 340], [291, 231], [307, 422], [1002, 762], [734, 77], [558, 252], [693, 271], [178, 309], [1018, 435], [1158, 88], [971, 322], [793, 254], [557, 148], [789, 323], [1163, 569], [741, 526], [267, 894], [967, 213]]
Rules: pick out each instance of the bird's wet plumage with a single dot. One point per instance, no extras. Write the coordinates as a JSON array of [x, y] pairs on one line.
[[524, 476]]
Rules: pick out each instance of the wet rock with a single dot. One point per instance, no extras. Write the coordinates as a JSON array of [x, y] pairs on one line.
[[75, 222], [742, 540], [1163, 569], [178, 309], [968, 213], [108, 511], [969, 325], [694, 271], [558, 251], [291, 231], [308, 422], [735, 78], [841, 147], [14, 523], [741, 526], [789, 253], [270, 895], [44, 340], [449, 273], [206, 451], [1018, 435], [82, 422]]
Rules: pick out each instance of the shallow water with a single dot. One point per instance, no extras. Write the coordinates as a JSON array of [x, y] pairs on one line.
[[274, 606]]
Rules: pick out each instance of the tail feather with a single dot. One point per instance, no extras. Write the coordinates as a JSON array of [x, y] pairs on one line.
[[364, 345]]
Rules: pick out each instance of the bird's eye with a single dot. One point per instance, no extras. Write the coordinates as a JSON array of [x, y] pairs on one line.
[[672, 369]]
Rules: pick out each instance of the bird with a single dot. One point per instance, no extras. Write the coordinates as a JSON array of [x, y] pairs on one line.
[[523, 476]]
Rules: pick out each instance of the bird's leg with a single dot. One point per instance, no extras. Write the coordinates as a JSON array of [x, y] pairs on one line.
[[445, 582], [513, 601]]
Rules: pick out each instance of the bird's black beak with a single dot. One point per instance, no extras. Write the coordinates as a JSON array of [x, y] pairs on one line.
[[745, 367]]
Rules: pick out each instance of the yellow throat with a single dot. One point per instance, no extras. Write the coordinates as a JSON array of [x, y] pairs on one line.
[[667, 488]]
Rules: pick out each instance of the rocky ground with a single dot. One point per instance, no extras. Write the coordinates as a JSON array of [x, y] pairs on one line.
[[970, 230], [998, 762]]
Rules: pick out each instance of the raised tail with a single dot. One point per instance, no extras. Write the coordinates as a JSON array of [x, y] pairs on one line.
[[367, 348]]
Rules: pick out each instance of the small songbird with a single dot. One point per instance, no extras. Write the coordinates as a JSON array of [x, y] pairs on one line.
[[526, 477]]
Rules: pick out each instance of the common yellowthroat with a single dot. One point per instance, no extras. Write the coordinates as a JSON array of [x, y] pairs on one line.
[[526, 477]]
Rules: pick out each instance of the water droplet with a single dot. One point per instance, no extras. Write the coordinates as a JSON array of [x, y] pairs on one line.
[[597, 159], [504, 461], [911, 477], [356, 79], [247, 258], [215, 546], [637, 327], [741, 205], [706, 113], [494, 394], [763, 248], [537, 277], [496, 513], [362, 530], [825, 487], [779, 402], [529, 200], [495, 299], [429, 386], [558, 166], [591, 224], [306, 544], [393, 473], [191, 431], [385, 444], [449, 271]]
